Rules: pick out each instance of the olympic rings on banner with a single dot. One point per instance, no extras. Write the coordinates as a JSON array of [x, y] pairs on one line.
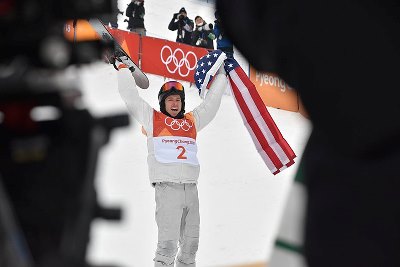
[[178, 64], [175, 124]]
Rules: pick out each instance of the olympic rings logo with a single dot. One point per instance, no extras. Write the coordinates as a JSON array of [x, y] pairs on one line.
[[178, 65], [175, 124]]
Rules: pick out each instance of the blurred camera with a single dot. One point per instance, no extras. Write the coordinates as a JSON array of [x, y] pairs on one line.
[[49, 143], [31, 27]]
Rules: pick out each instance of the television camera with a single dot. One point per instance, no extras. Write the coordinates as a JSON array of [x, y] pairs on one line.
[[49, 143]]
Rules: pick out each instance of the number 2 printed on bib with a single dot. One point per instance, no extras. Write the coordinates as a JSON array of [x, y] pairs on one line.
[[172, 149]]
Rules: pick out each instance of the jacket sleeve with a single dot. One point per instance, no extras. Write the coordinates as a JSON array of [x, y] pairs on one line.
[[129, 10], [140, 11], [137, 107], [206, 111], [188, 25], [173, 26], [195, 36]]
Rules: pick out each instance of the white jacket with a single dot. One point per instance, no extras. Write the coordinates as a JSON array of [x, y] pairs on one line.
[[143, 113]]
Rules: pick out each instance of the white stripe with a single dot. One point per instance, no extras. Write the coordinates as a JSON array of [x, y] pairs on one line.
[[268, 134], [259, 119], [260, 150], [282, 168]]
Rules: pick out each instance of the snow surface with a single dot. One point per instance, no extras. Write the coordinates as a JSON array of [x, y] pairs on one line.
[[240, 200]]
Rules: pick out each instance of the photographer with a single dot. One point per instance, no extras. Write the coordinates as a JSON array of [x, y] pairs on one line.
[[184, 25], [203, 35], [135, 12]]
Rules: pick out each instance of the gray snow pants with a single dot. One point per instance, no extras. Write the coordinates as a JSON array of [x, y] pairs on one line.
[[178, 221]]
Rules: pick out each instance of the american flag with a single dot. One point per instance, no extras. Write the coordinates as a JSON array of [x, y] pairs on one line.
[[270, 144], [207, 66]]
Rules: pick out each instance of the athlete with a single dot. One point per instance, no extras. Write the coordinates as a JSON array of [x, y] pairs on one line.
[[172, 161]]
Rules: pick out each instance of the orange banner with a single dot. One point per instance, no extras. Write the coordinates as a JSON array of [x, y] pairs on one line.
[[170, 59], [274, 91], [81, 31]]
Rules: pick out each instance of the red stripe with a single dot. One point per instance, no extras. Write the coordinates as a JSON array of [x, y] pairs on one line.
[[211, 81], [253, 124], [259, 104], [276, 172], [265, 114], [288, 150], [290, 163]]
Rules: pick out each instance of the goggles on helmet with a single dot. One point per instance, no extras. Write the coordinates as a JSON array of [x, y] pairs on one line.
[[170, 85]]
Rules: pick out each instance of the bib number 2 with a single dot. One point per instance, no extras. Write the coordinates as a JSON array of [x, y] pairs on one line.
[[182, 154]]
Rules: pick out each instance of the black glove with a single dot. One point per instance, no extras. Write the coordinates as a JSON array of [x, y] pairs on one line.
[[176, 15], [210, 26]]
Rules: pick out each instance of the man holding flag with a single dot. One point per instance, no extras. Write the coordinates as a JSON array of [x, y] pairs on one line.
[[172, 159]]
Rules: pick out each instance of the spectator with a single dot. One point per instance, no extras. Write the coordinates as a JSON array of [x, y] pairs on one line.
[[135, 12], [203, 35], [184, 25], [111, 19], [223, 42]]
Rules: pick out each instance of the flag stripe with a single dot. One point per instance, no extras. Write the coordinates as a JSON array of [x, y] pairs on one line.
[[266, 116], [256, 114], [267, 159], [259, 148], [250, 123]]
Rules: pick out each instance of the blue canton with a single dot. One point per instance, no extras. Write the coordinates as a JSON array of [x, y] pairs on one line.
[[204, 65], [230, 64]]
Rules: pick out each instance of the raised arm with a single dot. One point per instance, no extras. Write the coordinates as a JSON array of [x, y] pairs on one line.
[[173, 25], [137, 107], [206, 111]]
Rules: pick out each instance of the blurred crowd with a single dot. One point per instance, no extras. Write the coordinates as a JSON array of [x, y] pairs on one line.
[[200, 33]]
